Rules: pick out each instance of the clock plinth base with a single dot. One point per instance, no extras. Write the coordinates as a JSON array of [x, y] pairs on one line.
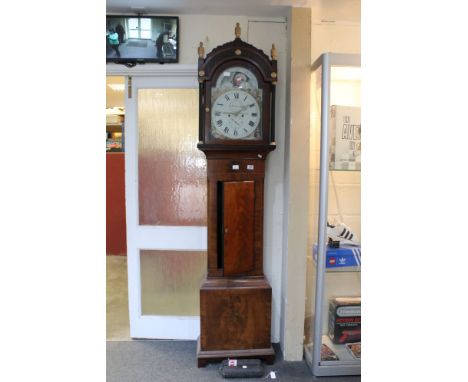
[[205, 357], [235, 319]]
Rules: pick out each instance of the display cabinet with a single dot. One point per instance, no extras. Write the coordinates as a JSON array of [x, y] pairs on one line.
[[333, 310]]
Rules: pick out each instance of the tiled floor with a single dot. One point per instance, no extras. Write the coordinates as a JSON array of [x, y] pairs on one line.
[[117, 322]]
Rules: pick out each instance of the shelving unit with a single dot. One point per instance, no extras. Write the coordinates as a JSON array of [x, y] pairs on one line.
[[330, 279], [115, 136], [114, 128]]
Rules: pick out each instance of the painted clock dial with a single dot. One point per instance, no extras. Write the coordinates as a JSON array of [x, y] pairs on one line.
[[235, 114], [236, 105]]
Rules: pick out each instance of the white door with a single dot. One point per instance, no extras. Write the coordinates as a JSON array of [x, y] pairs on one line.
[[139, 28], [133, 26], [165, 178]]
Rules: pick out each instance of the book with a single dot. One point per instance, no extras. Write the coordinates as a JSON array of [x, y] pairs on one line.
[[345, 138]]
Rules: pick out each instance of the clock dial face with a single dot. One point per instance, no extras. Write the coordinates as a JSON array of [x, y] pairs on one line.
[[236, 100], [235, 114]]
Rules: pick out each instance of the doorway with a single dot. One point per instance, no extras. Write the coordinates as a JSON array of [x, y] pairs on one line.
[[165, 199], [117, 321]]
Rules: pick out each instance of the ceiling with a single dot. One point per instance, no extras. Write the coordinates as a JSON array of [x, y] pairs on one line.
[[321, 9], [222, 7], [114, 98]]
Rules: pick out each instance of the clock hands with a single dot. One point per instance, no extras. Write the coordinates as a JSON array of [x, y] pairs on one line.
[[233, 120], [242, 109], [236, 113]]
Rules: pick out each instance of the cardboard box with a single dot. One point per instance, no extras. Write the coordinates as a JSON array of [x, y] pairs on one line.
[[344, 325], [342, 257]]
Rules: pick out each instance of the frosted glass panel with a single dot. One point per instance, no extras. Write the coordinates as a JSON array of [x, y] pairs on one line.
[[171, 170], [170, 282]]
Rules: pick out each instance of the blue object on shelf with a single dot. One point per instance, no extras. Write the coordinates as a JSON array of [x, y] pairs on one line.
[[344, 256]]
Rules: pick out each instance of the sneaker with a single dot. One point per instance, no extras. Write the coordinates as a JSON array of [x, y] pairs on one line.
[[342, 233]]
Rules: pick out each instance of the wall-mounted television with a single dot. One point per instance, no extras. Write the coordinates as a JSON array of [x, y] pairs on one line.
[[140, 39]]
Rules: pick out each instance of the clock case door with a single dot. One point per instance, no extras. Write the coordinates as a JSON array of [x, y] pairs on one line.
[[237, 53]]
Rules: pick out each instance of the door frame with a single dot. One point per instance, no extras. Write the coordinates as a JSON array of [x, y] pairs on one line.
[[153, 237]]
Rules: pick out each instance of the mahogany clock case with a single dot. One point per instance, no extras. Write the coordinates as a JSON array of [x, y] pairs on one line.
[[242, 54], [235, 297]]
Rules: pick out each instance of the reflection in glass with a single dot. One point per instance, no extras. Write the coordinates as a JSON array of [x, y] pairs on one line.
[[171, 170]]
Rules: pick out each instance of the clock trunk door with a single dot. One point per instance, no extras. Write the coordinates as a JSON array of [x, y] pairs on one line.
[[238, 227]]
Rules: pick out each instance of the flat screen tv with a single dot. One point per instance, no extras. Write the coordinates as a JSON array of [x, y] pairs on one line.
[[140, 39]]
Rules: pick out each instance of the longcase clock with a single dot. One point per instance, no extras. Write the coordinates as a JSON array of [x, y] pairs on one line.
[[237, 105]]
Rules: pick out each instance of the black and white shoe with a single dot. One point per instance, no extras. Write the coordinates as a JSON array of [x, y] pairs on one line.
[[341, 232]]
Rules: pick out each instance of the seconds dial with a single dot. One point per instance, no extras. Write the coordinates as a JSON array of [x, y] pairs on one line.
[[235, 114]]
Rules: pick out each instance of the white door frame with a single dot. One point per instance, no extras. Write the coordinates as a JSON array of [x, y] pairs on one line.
[[153, 237]]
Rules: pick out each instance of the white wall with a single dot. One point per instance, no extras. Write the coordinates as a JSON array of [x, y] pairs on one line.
[[296, 186], [336, 27], [339, 37], [214, 30], [261, 34]]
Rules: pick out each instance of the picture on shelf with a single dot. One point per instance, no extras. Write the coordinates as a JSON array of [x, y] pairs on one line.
[[354, 349], [327, 354], [345, 138]]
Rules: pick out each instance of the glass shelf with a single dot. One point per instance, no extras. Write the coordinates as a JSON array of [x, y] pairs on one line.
[[343, 269], [345, 170]]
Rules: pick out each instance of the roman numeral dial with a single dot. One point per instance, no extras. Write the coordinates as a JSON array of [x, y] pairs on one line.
[[235, 114]]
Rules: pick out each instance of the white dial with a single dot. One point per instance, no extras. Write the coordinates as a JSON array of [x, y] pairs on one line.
[[235, 114]]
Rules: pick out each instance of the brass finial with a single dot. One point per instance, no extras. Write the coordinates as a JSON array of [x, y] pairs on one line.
[[274, 54], [237, 31], [201, 50]]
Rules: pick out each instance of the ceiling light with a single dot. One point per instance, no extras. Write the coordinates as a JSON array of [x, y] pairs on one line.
[[117, 87]]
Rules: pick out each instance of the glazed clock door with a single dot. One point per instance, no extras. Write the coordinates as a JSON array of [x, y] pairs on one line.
[[166, 207]]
